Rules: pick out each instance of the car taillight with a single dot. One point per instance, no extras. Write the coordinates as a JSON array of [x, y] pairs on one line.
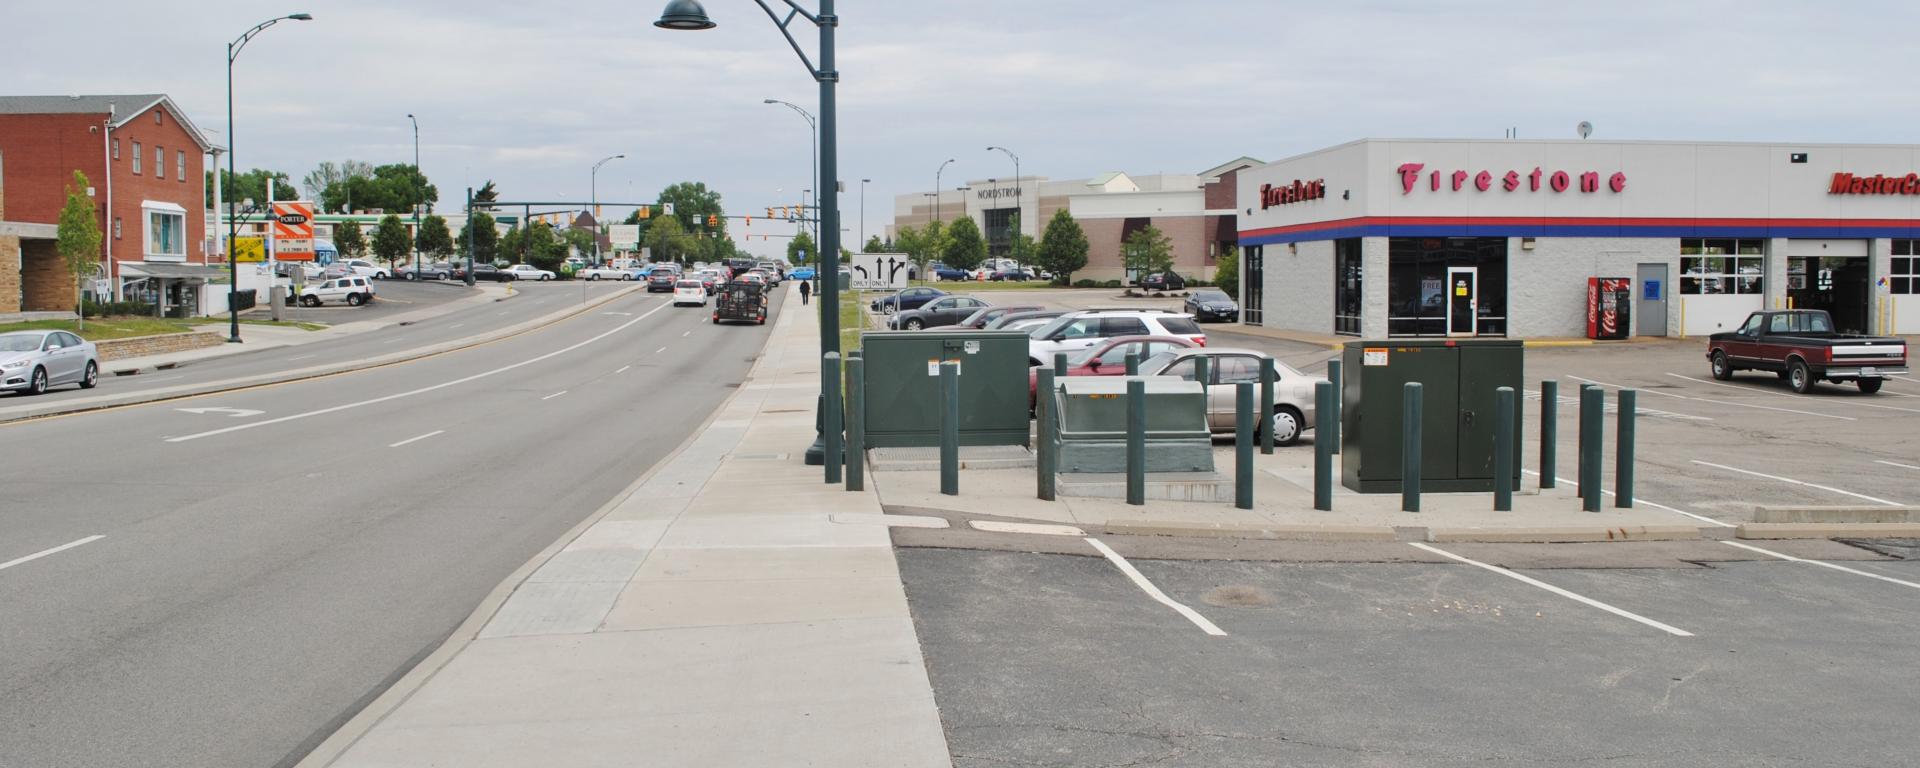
[[1826, 354], [1200, 340]]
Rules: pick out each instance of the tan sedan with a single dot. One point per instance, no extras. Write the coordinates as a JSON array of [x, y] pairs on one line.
[[1292, 390]]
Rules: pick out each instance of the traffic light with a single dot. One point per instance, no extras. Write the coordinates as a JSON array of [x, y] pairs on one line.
[[769, 211], [713, 220], [749, 220], [646, 212]]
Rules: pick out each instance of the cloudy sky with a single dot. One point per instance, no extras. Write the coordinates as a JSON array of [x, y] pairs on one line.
[[530, 94]]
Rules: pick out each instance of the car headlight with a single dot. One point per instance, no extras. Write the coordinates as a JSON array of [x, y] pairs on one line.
[[13, 365]]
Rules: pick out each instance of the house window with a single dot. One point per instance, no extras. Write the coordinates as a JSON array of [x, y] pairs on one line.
[[116, 149], [159, 162], [1904, 278], [166, 232], [116, 227], [180, 164], [136, 158], [1721, 266], [156, 117]]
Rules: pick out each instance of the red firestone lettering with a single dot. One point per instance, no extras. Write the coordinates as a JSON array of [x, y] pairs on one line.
[[1618, 183], [1482, 181], [1590, 182], [1560, 181], [1408, 173], [1511, 181], [1459, 180], [1433, 180], [1535, 177]]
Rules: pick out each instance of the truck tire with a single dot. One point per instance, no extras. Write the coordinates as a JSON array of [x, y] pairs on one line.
[[1869, 386], [1800, 376], [1722, 369]]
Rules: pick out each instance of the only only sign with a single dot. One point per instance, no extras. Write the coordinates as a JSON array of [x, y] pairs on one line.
[[879, 271]]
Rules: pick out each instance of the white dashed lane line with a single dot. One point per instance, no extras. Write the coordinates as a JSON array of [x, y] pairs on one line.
[[554, 395], [50, 551], [417, 438]]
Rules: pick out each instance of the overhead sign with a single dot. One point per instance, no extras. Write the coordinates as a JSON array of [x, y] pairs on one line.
[[293, 231], [248, 249], [878, 271], [625, 237]]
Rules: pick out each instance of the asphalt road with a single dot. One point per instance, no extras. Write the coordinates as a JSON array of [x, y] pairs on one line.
[[262, 572], [531, 300]]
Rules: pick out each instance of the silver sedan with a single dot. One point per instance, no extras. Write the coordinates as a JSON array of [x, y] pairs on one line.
[[32, 361], [1292, 390]]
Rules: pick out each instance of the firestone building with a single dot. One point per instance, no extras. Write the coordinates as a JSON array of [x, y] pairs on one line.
[[1388, 237]]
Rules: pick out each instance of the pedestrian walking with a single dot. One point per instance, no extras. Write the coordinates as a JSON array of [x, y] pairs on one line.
[[806, 290]]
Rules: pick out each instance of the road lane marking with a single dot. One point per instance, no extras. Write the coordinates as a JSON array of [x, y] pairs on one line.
[[55, 550], [1797, 482], [238, 413], [421, 390], [1783, 394], [455, 325], [1751, 405], [302, 357], [623, 369], [1842, 568], [554, 395], [394, 341], [1638, 500], [1140, 580], [660, 350], [688, 333], [417, 439], [502, 314], [1895, 464], [1574, 596]]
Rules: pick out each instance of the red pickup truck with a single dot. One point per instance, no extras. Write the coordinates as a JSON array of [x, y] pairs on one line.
[[1800, 346]]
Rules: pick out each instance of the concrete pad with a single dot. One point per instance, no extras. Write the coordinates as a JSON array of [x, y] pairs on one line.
[[742, 531], [1211, 487], [620, 534], [590, 565], [1829, 531], [891, 521], [1554, 534], [1327, 532], [688, 603], [1839, 514], [721, 564], [1041, 529], [637, 507], [554, 608]]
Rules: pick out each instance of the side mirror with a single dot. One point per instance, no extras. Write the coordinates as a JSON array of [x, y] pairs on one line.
[[1094, 364], [53, 347]]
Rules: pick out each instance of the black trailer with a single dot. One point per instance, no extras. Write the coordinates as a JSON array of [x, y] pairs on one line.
[[741, 301]]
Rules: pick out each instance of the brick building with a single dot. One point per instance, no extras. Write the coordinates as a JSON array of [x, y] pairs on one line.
[[146, 165]]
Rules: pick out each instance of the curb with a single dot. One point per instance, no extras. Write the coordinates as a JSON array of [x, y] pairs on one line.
[[1828, 531], [105, 402], [349, 733], [1253, 531], [1565, 534]]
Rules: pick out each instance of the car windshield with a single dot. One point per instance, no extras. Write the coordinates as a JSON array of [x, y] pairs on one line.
[[1048, 329], [1154, 364], [20, 342], [1212, 296], [1080, 357], [1181, 326], [688, 284]]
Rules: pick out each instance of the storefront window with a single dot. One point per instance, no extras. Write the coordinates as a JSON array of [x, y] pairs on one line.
[[1252, 284], [166, 235], [1722, 266], [1904, 279], [1346, 287], [1417, 280]]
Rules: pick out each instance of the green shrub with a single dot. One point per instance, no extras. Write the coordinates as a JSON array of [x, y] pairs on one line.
[[1084, 283], [113, 308], [1110, 284]]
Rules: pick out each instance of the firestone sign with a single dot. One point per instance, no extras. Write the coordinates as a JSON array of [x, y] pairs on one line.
[[1511, 181], [1298, 191], [1877, 184]]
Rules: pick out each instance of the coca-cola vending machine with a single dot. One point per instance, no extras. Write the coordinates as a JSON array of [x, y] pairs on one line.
[[1609, 307]]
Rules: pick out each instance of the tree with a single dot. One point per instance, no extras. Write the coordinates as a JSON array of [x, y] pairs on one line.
[[79, 238], [544, 248], [251, 185], [1063, 247], [801, 249], [1226, 270], [874, 245], [1145, 252], [579, 239], [390, 239], [1021, 248], [965, 248], [486, 194], [349, 239], [435, 239], [667, 240], [486, 239], [922, 246], [327, 174], [394, 188]]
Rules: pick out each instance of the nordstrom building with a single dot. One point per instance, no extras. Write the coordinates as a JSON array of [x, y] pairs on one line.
[[1388, 237]]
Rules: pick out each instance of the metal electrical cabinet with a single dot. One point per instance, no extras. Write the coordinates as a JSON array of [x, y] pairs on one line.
[[1093, 424], [1458, 379], [903, 386]]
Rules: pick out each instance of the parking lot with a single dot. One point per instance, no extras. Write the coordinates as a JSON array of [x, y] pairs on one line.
[[391, 297]]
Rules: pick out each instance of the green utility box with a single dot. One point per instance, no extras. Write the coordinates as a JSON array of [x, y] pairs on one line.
[[1458, 379], [903, 386], [1093, 424]]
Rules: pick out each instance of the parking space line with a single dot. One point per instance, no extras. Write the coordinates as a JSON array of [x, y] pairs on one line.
[[554, 395], [1751, 405], [1576, 597], [1895, 464], [1783, 394], [1154, 592], [660, 350], [1638, 500], [1842, 568], [623, 369], [1797, 482], [688, 333], [417, 439], [54, 550]]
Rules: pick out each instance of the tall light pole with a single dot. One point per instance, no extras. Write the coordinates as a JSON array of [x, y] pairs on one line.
[[416, 203], [936, 188], [863, 214], [593, 192], [233, 223], [1018, 213], [689, 15], [813, 154]]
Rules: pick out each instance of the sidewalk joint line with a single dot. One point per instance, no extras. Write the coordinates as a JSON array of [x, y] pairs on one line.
[[1574, 596], [1140, 580], [1842, 568]]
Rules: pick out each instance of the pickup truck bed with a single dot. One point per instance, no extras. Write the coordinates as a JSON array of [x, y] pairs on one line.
[[1801, 347]]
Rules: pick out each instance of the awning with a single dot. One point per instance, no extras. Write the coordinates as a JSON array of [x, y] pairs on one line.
[[173, 271]]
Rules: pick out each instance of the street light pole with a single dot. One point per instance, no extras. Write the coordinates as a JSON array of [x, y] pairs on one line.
[[416, 203], [863, 214], [936, 189], [813, 155], [594, 198], [1018, 212], [233, 224]]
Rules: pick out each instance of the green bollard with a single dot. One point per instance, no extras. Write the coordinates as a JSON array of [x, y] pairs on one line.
[[1243, 429], [1503, 450], [834, 453], [1046, 454], [1410, 407], [950, 427], [1549, 430], [1267, 376], [1593, 402], [1623, 451], [1202, 373], [1328, 421], [1060, 364], [1323, 395], [1136, 442], [1133, 363], [856, 423]]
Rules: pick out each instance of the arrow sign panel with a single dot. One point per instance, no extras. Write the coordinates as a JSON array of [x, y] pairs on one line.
[[878, 271]]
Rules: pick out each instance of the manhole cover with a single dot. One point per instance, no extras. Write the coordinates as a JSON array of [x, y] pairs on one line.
[[1238, 596]]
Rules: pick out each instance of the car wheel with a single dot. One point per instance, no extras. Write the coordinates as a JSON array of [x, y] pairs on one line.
[[444, 276], [1722, 370], [37, 383], [544, 278], [1869, 386], [1286, 425], [914, 324], [354, 300], [1800, 376], [92, 377], [309, 301]]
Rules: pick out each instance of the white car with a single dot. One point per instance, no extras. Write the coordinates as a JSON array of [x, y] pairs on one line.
[[528, 272], [32, 361], [365, 268], [354, 290], [604, 273], [687, 292], [1079, 330]]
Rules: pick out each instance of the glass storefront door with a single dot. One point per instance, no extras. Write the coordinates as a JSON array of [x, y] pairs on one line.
[[1462, 300], [1422, 296], [1347, 284], [1252, 284]]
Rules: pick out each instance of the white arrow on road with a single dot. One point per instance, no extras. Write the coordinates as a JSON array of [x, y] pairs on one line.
[[238, 413]]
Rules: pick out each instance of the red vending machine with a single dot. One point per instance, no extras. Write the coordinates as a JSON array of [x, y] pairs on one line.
[[1609, 307]]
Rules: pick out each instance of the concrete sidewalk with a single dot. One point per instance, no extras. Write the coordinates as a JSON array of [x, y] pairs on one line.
[[715, 615]]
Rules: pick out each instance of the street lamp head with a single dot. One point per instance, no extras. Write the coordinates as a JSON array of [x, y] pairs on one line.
[[301, 17], [621, 157], [769, 101], [684, 14]]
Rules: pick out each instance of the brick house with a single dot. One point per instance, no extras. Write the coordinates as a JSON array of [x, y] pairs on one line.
[[146, 163]]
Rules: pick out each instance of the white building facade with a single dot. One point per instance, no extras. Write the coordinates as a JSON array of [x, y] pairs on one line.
[[1382, 238]]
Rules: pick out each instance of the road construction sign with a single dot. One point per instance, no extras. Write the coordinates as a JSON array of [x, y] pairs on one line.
[[248, 249], [293, 231]]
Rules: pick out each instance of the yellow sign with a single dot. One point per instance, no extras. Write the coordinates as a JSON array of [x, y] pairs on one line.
[[249, 249]]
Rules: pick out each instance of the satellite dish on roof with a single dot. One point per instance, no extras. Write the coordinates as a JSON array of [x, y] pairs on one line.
[[1585, 128]]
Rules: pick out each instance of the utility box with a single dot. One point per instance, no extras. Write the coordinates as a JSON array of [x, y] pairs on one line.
[[1093, 424], [1458, 379], [903, 386]]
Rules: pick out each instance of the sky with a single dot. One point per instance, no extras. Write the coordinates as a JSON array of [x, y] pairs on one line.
[[530, 95]]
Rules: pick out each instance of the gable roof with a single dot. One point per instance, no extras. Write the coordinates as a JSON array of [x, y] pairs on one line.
[[1240, 163], [124, 107]]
